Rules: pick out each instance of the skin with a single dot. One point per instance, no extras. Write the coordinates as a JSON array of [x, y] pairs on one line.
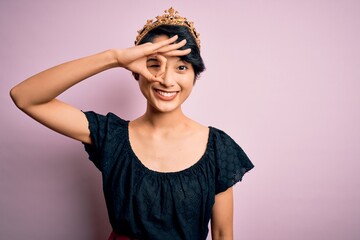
[[162, 137]]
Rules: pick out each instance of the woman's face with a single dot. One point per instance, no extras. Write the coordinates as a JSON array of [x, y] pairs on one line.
[[175, 87]]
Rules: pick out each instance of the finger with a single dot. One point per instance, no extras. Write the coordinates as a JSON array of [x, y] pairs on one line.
[[131, 54], [177, 53], [150, 77], [165, 42], [147, 74], [171, 47], [156, 79], [163, 61], [151, 48]]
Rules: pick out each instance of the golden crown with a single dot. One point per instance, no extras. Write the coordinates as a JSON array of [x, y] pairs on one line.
[[170, 17]]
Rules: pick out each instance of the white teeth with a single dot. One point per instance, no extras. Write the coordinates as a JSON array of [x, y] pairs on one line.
[[166, 94]]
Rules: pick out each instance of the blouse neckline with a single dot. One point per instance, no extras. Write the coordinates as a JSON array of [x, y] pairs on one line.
[[155, 172]]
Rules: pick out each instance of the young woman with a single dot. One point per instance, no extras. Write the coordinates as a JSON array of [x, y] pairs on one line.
[[164, 175]]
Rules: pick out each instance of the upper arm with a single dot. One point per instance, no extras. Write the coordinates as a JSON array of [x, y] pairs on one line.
[[62, 118], [222, 216]]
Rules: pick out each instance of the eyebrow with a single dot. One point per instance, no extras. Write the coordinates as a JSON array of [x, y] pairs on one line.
[[183, 61], [152, 60]]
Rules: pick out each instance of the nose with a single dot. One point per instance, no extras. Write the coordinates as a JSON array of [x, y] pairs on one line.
[[168, 78]]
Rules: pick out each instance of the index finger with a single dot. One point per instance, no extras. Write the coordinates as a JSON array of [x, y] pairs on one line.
[[173, 46], [154, 47], [177, 53]]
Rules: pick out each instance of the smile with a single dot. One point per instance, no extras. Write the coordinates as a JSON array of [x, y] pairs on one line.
[[166, 95]]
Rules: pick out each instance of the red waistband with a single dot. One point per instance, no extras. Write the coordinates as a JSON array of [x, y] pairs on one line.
[[114, 236]]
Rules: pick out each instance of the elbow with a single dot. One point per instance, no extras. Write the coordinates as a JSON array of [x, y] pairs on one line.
[[14, 94], [222, 236], [225, 233]]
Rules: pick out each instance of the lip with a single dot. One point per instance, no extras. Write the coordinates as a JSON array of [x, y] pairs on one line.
[[165, 95]]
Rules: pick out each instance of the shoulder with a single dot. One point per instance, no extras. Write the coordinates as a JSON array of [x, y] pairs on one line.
[[221, 137], [106, 132], [231, 160], [105, 126], [225, 145], [110, 117]]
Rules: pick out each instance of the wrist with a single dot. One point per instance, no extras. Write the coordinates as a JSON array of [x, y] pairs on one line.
[[113, 59]]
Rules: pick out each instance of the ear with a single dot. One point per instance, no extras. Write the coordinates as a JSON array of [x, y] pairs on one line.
[[136, 76]]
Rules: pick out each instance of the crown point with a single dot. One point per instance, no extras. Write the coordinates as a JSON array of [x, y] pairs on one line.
[[169, 18], [172, 11]]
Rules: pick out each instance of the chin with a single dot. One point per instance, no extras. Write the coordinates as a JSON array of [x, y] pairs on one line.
[[168, 108]]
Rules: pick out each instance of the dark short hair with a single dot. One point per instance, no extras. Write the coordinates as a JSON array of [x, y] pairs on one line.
[[194, 57]]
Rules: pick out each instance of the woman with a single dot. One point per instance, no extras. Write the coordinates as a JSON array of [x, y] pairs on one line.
[[164, 175]]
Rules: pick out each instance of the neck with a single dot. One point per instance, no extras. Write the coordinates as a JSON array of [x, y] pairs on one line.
[[168, 120]]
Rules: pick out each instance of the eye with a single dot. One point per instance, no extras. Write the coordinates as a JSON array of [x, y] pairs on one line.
[[152, 63], [182, 67]]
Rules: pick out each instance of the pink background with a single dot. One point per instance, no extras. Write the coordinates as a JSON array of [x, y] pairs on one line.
[[283, 79]]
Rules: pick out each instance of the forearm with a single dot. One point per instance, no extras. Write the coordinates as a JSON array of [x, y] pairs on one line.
[[222, 216], [47, 85]]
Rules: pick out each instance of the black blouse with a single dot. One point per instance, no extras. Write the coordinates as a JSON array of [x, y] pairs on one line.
[[147, 204]]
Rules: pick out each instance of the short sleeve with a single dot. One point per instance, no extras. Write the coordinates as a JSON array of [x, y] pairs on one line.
[[231, 162], [103, 131]]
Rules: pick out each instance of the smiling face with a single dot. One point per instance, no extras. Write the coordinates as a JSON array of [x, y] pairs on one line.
[[175, 87]]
